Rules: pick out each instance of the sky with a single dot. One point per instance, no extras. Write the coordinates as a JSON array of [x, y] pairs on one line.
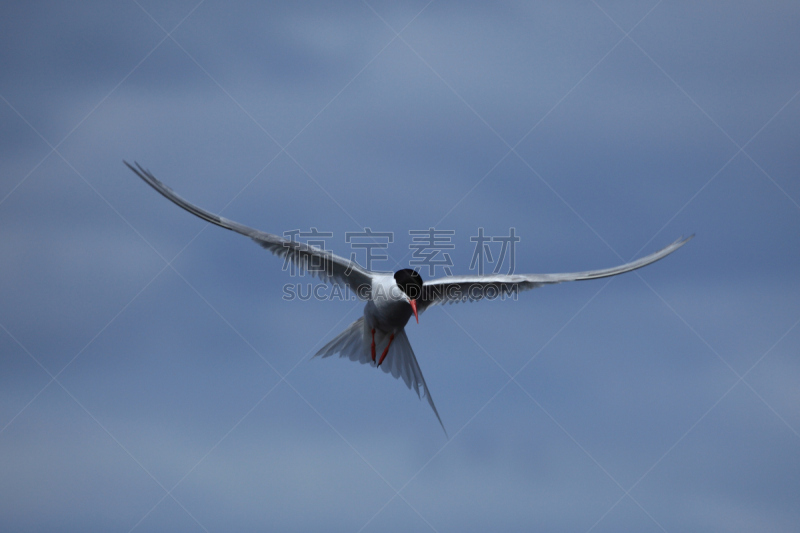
[[154, 378]]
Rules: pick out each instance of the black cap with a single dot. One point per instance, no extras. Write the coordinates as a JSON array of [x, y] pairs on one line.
[[410, 282]]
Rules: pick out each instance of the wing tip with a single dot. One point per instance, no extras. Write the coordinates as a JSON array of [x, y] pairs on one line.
[[147, 176], [678, 243]]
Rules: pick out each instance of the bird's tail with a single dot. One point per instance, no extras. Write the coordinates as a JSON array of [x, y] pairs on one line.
[[354, 343], [351, 343]]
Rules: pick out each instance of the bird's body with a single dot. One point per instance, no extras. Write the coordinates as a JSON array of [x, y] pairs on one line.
[[378, 338], [387, 310]]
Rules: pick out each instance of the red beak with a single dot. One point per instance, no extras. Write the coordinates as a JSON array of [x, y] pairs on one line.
[[414, 308]]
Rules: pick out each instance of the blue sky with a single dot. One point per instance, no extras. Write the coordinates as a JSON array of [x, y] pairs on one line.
[[154, 379]]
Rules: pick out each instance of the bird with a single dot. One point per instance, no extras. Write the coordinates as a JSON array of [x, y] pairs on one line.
[[378, 338]]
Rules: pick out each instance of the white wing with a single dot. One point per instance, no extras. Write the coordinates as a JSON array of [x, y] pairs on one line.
[[326, 265], [400, 362], [452, 289]]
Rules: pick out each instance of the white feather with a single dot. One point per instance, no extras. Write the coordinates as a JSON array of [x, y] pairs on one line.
[[354, 343]]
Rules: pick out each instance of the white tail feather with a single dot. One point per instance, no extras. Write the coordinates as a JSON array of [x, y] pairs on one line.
[[354, 343]]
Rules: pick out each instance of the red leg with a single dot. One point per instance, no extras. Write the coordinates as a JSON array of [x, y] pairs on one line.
[[386, 350], [373, 345]]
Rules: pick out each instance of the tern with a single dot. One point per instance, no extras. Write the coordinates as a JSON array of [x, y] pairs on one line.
[[378, 338]]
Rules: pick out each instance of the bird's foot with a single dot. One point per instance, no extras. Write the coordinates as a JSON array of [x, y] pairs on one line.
[[386, 350], [373, 346]]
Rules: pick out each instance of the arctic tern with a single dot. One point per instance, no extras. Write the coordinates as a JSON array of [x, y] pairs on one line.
[[378, 338]]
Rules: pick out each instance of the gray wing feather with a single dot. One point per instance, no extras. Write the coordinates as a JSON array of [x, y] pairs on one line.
[[326, 265], [452, 289]]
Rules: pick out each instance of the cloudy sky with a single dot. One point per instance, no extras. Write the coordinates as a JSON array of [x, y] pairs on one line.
[[152, 377]]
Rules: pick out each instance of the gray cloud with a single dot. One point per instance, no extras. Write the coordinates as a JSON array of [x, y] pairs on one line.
[[624, 371]]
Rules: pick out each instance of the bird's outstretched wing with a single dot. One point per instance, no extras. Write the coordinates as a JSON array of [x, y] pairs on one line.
[[322, 263], [452, 289]]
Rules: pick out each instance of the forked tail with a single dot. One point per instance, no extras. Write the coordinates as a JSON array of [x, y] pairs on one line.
[[354, 343]]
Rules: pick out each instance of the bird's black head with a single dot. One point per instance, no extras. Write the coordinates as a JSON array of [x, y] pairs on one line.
[[410, 282]]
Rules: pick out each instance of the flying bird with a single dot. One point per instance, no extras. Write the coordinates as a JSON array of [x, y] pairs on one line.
[[378, 338]]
